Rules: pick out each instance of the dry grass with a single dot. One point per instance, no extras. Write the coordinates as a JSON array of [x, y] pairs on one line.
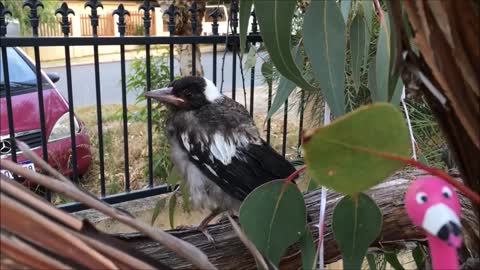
[[138, 154]]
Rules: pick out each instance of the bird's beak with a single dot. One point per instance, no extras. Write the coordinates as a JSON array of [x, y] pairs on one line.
[[442, 222], [165, 95]]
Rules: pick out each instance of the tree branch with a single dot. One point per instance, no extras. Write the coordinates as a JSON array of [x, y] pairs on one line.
[[229, 252]]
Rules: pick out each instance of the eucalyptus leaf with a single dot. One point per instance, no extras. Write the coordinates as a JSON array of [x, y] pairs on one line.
[[244, 17], [250, 61], [397, 94], [392, 259], [312, 184], [418, 255], [173, 177], [273, 217], [372, 82], [172, 203], [308, 250], [367, 7], [382, 62], [159, 205], [345, 6], [357, 47], [325, 45], [356, 223], [275, 20], [342, 155], [372, 264], [267, 72], [285, 86]]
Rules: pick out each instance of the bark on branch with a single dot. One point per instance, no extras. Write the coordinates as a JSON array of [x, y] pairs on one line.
[[229, 253]]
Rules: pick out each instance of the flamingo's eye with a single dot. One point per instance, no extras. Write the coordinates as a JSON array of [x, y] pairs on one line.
[[421, 197], [446, 192]]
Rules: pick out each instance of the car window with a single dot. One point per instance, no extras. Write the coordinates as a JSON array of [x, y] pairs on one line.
[[18, 69]]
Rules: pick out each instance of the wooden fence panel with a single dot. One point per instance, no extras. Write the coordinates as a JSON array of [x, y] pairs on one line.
[[52, 30], [134, 24], [105, 25]]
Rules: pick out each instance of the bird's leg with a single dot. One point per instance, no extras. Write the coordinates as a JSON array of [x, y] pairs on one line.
[[203, 227]]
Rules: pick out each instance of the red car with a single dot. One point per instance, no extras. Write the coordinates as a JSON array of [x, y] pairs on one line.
[[27, 122]]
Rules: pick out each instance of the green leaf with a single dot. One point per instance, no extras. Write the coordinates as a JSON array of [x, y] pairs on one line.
[[367, 7], [345, 8], [397, 94], [357, 46], [273, 217], [185, 197], [372, 264], [173, 178], [419, 256], [339, 156], [285, 86], [275, 20], [244, 17], [372, 82], [356, 222], [325, 45], [388, 86], [392, 259], [267, 72], [251, 60], [172, 203], [308, 250], [159, 205], [312, 184], [383, 62]]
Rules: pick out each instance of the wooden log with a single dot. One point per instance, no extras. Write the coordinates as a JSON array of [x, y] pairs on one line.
[[229, 253]]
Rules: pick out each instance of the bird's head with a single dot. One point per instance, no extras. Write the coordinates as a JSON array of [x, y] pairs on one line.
[[432, 204], [187, 93]]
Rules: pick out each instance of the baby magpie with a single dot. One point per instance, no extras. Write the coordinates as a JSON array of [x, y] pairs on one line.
[[215, 146]]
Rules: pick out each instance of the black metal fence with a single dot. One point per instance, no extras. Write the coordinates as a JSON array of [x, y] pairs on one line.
[[231, 40]]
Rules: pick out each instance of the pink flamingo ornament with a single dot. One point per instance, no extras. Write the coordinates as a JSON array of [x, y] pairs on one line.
[[433, 204]]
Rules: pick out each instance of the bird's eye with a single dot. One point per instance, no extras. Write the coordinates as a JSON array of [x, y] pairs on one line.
[[421, 197], [446, 192]]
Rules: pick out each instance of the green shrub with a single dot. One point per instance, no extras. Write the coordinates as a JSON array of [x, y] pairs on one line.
[[136, 83]]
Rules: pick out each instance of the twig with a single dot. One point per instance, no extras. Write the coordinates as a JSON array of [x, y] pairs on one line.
[[378, 9], [182, 248], [295, 174], [250, 246]]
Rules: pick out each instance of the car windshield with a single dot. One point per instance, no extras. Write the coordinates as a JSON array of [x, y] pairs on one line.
[[20, 73]]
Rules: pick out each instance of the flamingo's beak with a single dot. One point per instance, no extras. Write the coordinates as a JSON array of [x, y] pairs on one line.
[[442, 222], [165, 95]]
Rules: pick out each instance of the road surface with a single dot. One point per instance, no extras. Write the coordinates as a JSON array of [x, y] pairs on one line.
[[83, 79]]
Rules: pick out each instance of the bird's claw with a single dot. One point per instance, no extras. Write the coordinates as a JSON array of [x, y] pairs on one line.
[[202, 229], [209, 237]]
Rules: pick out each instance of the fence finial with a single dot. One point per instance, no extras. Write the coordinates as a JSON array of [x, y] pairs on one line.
[[3, 23], [234, 11], [171, 12], [254, 23], [147, 21], [64, 10], [33, 16], [121, 12], [193, 9], [215, 15], [94, 5]]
